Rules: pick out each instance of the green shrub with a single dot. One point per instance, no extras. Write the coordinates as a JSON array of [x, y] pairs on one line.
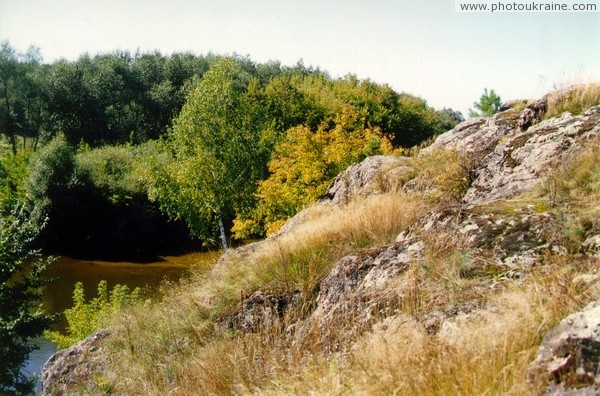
[[84, 318], [20, 293], [111, 169]]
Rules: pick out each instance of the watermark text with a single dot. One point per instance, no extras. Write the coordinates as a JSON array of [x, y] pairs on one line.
[[526, 6]]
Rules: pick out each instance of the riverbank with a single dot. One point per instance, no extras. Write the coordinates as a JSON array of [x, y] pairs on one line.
[[66, 271], [409, 274]]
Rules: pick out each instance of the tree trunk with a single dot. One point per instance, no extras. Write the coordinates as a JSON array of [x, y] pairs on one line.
[[223, 236]]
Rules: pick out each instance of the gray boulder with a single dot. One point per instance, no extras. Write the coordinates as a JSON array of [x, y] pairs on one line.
[[476, 137], [70, 368], [374, 175], [569, 357], [521, 161]]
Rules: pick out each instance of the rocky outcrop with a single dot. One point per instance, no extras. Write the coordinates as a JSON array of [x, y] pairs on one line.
[[512, 238], [519, 162], [569, 354], [73, 366], [534, 113], [477, 136], [346, 301], [374, 175], [262, 308]]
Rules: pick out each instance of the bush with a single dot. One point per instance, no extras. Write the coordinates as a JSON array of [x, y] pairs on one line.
[[84, 318], [111, 170], [20, 291], [13, 173]]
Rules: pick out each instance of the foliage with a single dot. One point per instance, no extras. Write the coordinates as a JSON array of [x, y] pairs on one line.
[[304, 164], [51, 172], [449, 118], [217, 152], [95, 202], [20, 283], [489, 104], [21, 97], [84, 318], [13, 173], [113, 171]]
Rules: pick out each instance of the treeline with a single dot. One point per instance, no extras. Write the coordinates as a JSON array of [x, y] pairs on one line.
[[118, 142]]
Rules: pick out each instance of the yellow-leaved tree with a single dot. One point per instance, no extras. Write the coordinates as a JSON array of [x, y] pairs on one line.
[[303, 165]]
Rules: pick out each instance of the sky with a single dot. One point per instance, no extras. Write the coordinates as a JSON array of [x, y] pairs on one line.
[[424, 48]]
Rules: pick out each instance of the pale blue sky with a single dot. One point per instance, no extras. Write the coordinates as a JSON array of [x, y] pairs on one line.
[[424, 48]]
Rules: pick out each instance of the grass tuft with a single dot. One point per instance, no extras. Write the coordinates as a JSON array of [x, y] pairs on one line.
[[576, 100]]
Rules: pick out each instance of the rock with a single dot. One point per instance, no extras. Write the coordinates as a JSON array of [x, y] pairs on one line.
[[514, 103], [569, 355], [262, 308], [476, 137], [70, 368], [519, 163], [511, 239], [591, 246], [374, 175], [534, 113], [345, 301]]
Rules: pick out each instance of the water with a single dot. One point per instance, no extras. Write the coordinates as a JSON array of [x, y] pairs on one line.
[[68, 271]]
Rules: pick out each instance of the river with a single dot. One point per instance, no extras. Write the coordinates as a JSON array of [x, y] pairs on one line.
[[67, 271]]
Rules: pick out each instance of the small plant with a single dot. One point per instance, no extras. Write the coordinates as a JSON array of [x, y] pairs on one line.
[[84, 318]]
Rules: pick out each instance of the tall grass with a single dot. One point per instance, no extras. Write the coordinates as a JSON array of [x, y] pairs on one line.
[[485, 352], [576, 100]]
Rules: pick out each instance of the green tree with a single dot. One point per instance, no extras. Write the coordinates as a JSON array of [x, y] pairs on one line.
[[11, 87], [217, 153], [449, 118], [489, 104], [20, 316]]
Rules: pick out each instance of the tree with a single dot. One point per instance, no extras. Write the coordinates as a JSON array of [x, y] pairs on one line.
[[489, 104], [9, 79], [449, 118], [216, 152], [20, 282], [303, 165]]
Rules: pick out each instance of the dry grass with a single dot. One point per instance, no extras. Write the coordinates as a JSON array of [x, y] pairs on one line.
[[173, 346], [485, 352], [576, 100], [573, 190], [445, 175]]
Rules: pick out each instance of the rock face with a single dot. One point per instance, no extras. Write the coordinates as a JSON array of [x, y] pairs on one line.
[[263, 308], [72, 366], [510, 160], [533, 113], [478, 136], [518, 163], [568, 356], [346, 300], [373, 175]]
